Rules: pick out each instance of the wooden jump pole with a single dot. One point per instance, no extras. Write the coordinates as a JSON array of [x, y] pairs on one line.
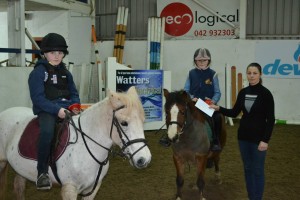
[[94, 39], [118, 26], [233, 85], [240, 81], [123, 34]]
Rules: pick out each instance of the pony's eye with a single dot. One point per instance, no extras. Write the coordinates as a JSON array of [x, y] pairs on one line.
[[124, 123]]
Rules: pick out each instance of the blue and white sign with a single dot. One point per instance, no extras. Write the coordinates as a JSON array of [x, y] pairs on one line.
[[149, 85], [279, 59]]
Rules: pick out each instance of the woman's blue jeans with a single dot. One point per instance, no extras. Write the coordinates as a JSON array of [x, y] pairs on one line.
[[47, 126], [254, 161]]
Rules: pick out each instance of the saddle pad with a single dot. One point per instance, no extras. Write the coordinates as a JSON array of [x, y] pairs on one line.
[[209, 131], [28, 144]]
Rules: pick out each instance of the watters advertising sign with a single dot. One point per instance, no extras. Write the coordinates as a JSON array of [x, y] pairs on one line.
[[200, 19], [279, 59], [149, 87]]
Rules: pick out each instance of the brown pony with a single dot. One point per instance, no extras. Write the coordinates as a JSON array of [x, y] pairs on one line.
[[189, 132]]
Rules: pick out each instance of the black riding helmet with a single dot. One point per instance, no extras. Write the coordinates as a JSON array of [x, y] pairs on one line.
[[54, 42]]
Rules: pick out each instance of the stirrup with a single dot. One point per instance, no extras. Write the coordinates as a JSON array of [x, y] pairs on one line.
[[43, 182]]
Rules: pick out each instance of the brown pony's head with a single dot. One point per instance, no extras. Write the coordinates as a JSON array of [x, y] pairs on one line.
[[176, 112]]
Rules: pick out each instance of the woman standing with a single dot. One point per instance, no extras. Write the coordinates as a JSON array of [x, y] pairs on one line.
[[256, 125]]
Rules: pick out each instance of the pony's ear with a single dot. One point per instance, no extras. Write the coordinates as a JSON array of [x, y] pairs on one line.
[[186, 96], [166, 93], [132, 91], [114, 99]]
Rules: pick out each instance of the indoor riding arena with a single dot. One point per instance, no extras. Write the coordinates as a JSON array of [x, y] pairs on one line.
[[158, 180], [109, 72]]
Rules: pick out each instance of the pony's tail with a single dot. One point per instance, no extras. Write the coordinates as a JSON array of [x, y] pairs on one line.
[[3, 179]]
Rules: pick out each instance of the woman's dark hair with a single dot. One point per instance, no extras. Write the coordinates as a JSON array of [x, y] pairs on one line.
[[258, 66]]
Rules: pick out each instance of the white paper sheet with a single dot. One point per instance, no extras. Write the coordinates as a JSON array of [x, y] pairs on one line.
[[204, 107]]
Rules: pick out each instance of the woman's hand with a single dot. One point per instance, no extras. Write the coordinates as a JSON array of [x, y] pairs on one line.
[[263, 146], [215, 107]]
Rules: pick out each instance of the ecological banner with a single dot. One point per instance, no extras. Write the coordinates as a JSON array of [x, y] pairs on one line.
[[149, 85], [200, 19]]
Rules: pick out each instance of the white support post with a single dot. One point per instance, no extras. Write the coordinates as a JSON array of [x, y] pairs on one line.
[[16, 31], [82, 81], [71, 67], [243, 18], [228, 91], [149, 44], [162, 39], [100, 83]]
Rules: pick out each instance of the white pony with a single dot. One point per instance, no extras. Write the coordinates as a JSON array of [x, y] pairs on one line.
[[118, 119]]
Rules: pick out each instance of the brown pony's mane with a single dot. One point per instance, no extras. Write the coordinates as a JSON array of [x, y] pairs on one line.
[[183, 98], [175, 97]]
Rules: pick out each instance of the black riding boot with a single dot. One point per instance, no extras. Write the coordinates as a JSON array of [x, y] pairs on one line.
[[165, 141], [216, 122], [215, 146]]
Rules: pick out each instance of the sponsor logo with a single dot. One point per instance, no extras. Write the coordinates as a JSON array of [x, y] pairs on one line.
[[211, 20], [179, 19], [277, 68]]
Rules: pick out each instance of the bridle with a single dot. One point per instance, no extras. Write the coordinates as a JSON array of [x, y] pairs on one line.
[[181, 125], [123, 135], [121, 152]]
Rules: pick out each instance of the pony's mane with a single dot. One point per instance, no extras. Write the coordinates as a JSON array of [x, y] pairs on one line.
[[175, 97], [178, 97], [132, 102], [129, 101]]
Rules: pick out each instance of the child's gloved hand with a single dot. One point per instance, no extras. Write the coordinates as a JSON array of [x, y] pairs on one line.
[[61, 113], [208, 101], [75, 108]]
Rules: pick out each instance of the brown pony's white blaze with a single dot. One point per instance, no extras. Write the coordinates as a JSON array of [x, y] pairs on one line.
[[173, 127]]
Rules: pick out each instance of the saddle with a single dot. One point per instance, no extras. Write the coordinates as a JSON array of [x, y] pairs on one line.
[[28, 144]]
